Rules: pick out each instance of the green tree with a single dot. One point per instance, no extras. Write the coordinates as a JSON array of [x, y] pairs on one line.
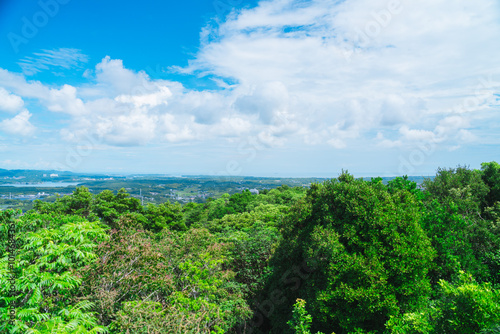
[[79, 203], [462, 186], [301, 320], [402, 183], [465, 307], [240, 201], [470, 242], [250, 254], [453, 237], [216, 209], [108, 206], [366, 256], [165, 215], [173, 281], [491, 176], [192, 213]]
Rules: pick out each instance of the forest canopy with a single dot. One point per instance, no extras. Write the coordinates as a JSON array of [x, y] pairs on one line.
[[343, 256]]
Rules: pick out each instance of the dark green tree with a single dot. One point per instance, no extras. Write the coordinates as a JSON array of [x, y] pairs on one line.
[[491, 177], [108, 206], [366, 256], [165, 215]]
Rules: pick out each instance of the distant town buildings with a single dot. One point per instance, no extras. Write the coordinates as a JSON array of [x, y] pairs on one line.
[[25, 196]]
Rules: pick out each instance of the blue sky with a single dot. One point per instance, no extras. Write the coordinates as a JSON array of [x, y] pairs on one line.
[[264, 88]]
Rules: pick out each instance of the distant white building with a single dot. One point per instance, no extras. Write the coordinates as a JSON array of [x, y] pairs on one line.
[[54, 175], [254, 191]]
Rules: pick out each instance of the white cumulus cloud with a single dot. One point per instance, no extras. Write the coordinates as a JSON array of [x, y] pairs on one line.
[[18, 125], [358, 74], [10, 102]]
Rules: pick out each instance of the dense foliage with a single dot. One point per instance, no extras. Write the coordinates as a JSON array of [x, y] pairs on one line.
[[345, 256], [370, 254]]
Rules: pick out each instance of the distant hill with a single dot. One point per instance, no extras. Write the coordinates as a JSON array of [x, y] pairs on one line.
[[27, 175]]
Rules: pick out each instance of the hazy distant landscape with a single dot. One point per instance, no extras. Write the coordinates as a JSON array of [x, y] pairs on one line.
[[18, 188]]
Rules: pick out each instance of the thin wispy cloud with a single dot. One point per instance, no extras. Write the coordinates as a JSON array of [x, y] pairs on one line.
[[53, 60]]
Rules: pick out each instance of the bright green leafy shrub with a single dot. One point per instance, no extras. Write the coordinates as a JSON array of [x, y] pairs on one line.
[[301, 320], [44, 269], [465, 307]]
